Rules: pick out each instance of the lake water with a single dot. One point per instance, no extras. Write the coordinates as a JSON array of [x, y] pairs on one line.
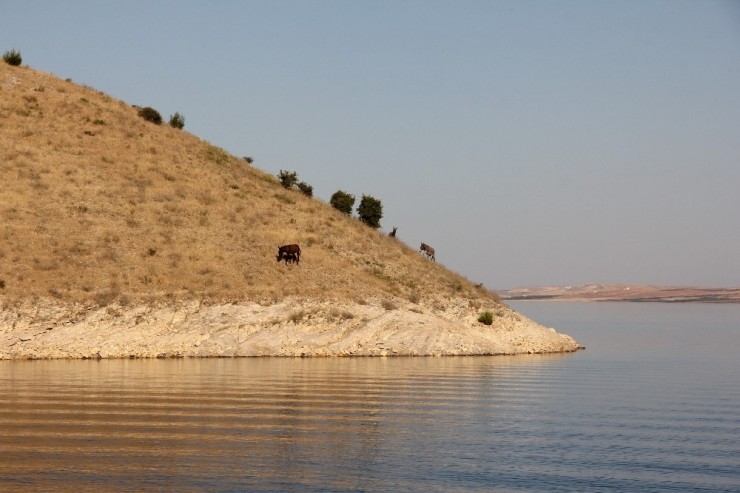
[[652, 404]]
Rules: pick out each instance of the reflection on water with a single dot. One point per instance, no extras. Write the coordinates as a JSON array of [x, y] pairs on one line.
[[576, 422], [252, 423], [280, 423]]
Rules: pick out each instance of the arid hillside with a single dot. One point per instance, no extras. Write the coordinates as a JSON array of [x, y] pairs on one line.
[[100, 205], [123, 238]]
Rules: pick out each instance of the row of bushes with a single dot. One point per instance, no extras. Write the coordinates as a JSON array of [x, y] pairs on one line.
[[151, 115], [370, 210], [289, 179]]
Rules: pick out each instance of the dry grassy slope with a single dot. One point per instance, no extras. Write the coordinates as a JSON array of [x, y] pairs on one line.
[[100, 205]]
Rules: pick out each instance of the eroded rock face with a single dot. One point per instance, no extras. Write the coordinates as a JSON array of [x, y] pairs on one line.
[[287, 328]]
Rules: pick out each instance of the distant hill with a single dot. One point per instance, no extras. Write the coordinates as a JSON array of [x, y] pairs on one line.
[[625, 292]]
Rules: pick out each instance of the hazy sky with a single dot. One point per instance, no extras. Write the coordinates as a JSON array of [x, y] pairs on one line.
[[529, 142]]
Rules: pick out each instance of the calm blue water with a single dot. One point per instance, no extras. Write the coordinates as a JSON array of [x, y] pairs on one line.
[[653, 404]]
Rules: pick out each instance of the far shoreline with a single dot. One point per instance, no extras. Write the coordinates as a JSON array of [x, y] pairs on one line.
[[624, 293], [646, 300]]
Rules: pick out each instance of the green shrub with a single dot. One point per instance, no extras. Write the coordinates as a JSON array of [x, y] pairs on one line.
[[287, 178], [13, 57], [177, 121], [370, 211], [486, 318], [151, 115], [342, 201], [305, 188]]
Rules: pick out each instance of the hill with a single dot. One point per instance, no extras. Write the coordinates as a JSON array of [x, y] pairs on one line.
[[625, 292], [112, 221]]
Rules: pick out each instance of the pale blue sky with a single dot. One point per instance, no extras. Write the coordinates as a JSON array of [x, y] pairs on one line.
[[530, 142]]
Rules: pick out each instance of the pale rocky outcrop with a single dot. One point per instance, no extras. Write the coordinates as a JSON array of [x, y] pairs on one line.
[[287, 328]]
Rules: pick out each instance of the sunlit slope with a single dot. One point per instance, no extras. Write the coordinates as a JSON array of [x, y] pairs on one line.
[[99, 205]]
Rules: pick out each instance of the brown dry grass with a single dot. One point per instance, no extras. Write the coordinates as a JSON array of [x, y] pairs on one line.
[[99, 205]]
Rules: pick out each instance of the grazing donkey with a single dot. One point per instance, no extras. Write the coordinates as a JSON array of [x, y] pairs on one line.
[[429, 251], [294, 251]]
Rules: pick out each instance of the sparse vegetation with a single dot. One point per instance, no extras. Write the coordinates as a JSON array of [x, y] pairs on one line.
[[342, 201], [216, 155], [286, 199], [151, 115], [486, 318], [297, 316], [370, 211], [13, 57], [177, 121], [389, 305], [305, 189], [287, 178]]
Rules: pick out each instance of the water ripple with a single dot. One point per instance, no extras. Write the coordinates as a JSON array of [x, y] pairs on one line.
[[458, 424]]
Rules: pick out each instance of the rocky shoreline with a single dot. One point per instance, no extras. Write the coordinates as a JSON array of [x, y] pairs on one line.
[[289, 328]]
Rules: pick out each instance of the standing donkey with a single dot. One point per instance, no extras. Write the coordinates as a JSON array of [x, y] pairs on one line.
[[429, 251]]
